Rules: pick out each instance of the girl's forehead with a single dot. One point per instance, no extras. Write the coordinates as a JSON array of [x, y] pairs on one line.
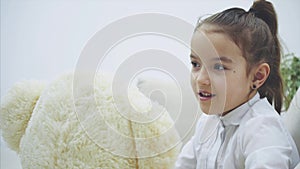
[[214, 44], [201, 45]]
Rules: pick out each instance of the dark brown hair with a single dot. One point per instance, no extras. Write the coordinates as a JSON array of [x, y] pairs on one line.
[[255, 33]]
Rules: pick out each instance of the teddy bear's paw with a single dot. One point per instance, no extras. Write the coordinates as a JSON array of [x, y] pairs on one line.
[[16, 109]]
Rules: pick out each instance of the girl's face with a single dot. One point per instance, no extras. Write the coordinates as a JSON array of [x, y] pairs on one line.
[[218, 74]]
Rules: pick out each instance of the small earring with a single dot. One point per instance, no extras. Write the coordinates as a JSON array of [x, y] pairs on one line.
[[253, 86]]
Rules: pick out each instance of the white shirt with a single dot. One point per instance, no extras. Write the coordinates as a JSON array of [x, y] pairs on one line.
[[252, 136]]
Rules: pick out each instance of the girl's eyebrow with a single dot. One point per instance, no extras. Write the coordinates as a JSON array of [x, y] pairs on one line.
[[223, 59], [193, 56]]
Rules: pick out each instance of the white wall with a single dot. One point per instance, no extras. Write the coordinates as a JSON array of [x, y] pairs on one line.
[[41, 39]]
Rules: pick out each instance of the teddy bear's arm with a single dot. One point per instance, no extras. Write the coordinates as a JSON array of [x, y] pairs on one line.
[[16, 109]]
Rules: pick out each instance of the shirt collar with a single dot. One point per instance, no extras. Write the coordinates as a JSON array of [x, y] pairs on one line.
[[234, 117]]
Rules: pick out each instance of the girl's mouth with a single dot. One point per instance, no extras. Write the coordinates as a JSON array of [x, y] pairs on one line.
[[204, 96]]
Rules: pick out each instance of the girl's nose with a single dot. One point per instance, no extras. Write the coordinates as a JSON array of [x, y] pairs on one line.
[[202, 76]]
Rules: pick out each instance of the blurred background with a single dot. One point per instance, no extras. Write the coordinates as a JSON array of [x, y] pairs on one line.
[[41, 39]]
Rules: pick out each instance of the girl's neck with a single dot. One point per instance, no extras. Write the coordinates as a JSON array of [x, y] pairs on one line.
[[250, 96]]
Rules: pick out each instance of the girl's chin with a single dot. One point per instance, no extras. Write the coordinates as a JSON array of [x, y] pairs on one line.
[[204, 110]]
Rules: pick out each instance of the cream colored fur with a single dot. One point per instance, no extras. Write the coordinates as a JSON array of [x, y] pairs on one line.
[[16, 110], [86, 131]]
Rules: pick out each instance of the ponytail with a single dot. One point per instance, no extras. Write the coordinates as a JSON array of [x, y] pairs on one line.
[[273, 87], [265, 11]]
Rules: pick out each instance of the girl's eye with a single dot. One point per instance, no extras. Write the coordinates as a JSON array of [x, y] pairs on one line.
[[195, 64], [219, 67]]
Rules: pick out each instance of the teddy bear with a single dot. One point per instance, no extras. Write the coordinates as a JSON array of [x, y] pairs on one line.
[[56, 125]]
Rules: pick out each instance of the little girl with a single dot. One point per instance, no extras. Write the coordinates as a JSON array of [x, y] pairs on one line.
[[235, 76]]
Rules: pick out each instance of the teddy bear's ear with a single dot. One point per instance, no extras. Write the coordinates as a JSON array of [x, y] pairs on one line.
[[16, 109]]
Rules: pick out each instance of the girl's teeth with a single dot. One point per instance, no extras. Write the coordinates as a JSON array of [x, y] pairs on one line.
[[205, 94]]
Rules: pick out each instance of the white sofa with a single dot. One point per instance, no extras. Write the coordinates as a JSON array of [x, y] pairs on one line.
[[292, 120]]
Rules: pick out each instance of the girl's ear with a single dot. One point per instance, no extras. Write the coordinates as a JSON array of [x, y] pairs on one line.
[[261, 74]]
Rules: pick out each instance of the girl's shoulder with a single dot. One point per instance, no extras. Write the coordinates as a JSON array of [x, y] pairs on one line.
[[263, 134], [261, 113], [262, 128]]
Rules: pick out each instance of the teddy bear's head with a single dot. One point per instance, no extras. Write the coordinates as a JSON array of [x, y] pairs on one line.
[[59, 126]]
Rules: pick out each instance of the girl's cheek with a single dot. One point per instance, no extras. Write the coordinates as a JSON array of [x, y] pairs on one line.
[[193, 82]]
